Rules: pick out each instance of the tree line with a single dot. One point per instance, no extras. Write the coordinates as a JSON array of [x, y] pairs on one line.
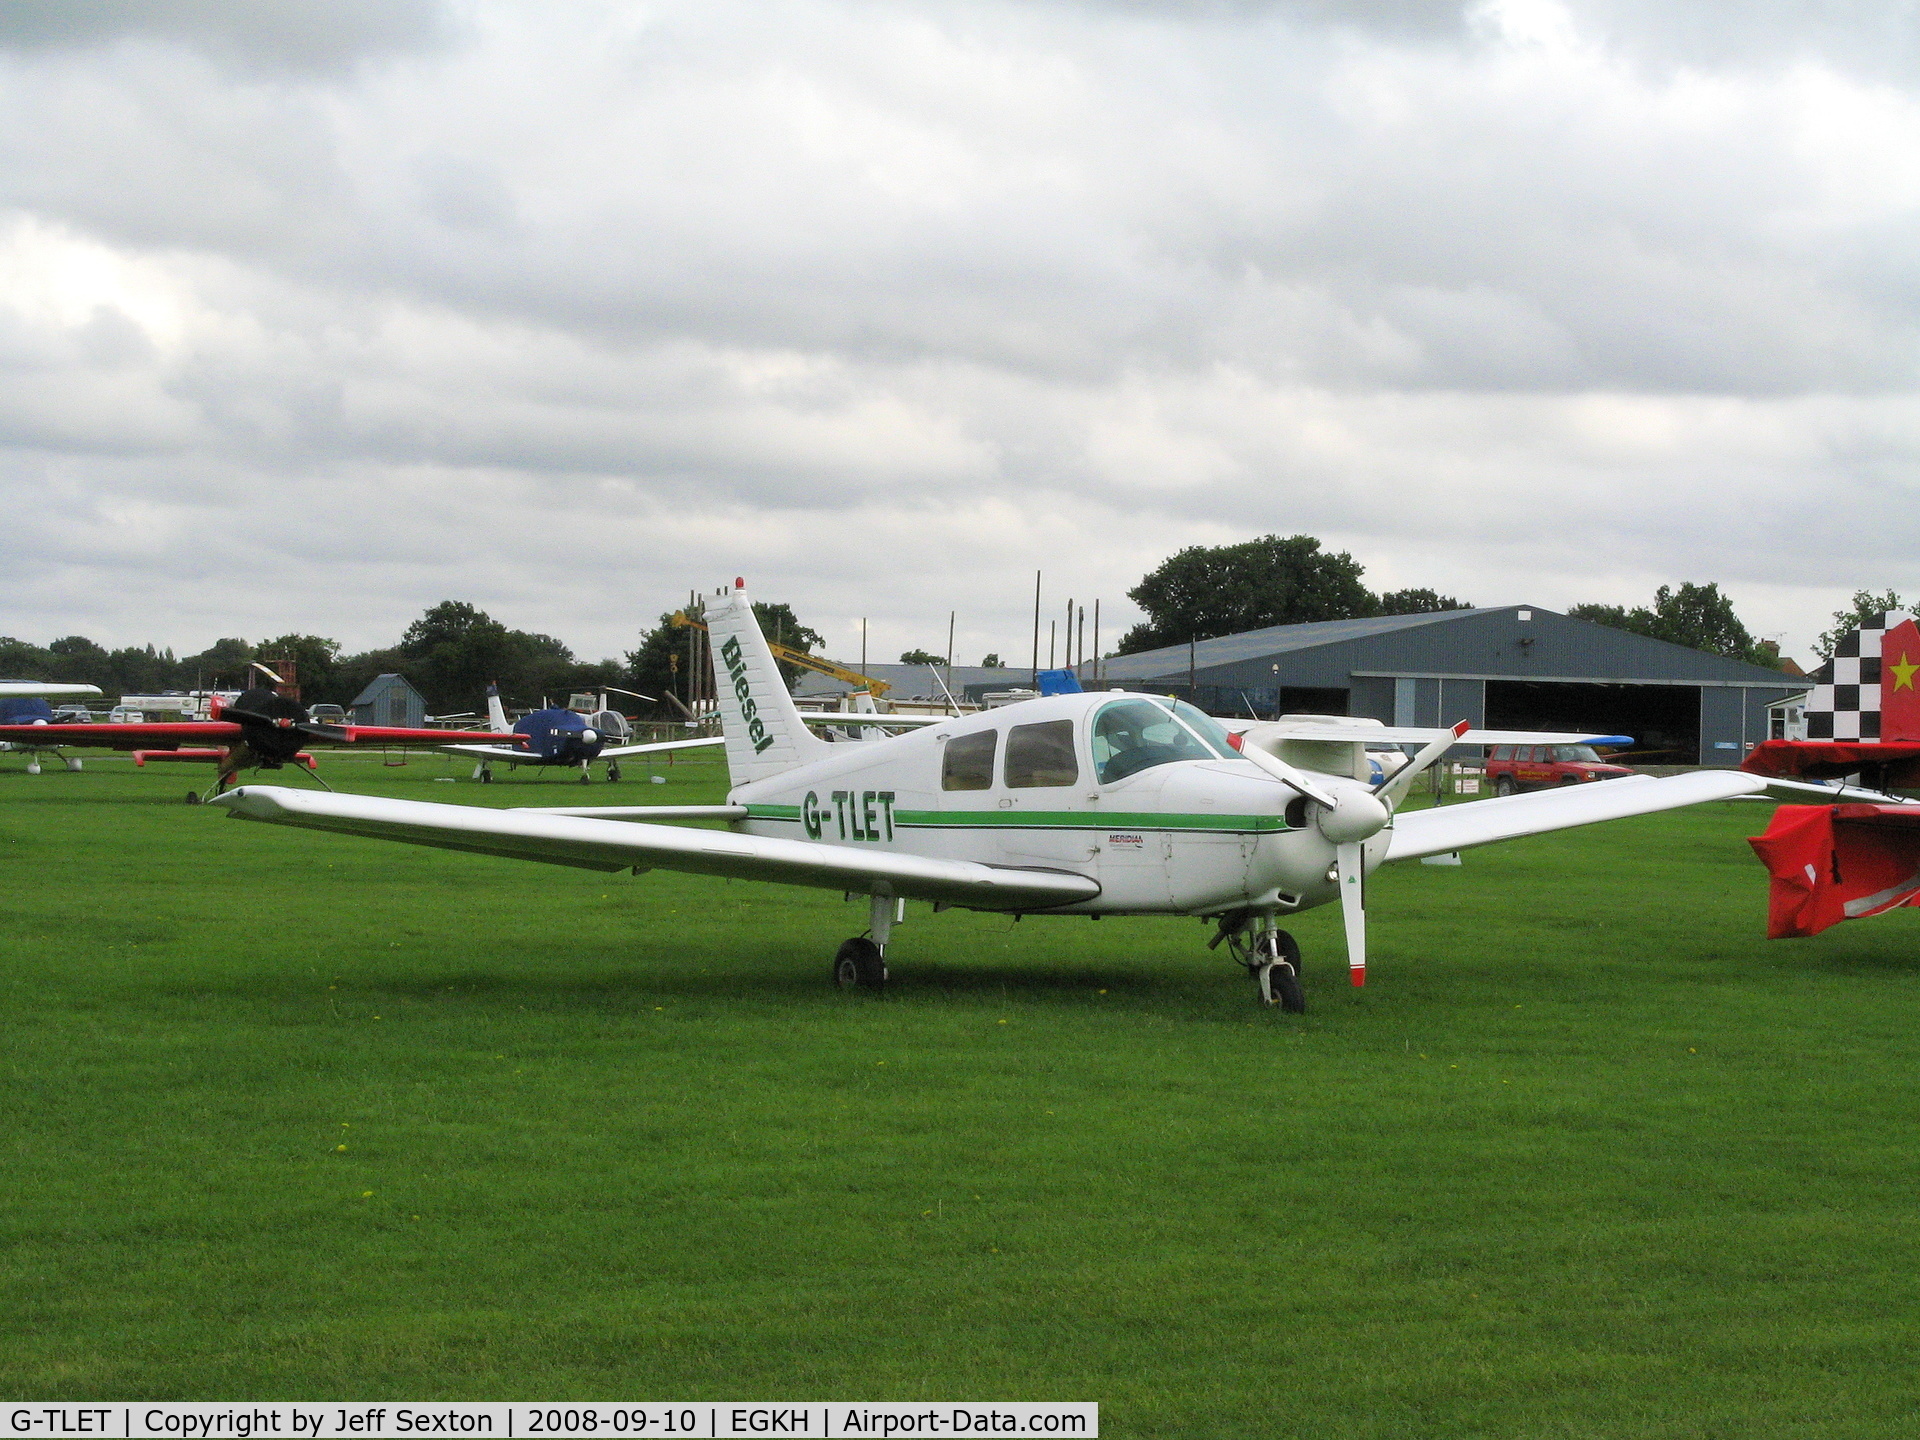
[[450, 654], [454, 650]]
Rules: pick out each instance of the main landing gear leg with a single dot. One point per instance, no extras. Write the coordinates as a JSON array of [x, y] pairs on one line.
[[585, 778], [862, 962], [1271, 957]]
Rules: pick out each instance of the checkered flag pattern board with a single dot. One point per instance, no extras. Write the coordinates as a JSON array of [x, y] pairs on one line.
[[1845, 703]]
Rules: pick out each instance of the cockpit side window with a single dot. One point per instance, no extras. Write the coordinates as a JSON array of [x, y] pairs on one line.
[[1041, 755], [1134, 735], [968, 761]]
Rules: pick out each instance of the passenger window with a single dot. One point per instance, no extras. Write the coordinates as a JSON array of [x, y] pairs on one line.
[[968, 762], [1041, 755], [1502, 752]]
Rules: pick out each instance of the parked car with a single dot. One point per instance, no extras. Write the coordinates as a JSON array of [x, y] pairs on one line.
[[327, 715], [1512, 768]]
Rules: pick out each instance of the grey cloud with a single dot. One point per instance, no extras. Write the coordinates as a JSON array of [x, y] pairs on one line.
[[290, 35]]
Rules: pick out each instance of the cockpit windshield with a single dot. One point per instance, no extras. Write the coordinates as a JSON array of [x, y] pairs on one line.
[[1134, 735]]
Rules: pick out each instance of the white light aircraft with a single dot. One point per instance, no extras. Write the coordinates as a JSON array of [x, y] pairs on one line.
[[1105, 803]]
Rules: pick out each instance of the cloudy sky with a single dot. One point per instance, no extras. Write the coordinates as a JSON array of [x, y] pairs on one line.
[[314, 312]]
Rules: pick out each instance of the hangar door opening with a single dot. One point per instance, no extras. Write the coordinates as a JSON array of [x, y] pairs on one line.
[[1664, 720]]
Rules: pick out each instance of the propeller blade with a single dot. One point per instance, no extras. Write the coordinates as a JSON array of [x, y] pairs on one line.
[[1353, 907], [1394, 788], [1287, 775]]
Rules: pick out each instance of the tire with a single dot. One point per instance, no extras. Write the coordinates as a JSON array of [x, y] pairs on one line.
[[1504, 786], [1282, 953], [613, 771], [1285, 986], [859, 965], [486, 777]]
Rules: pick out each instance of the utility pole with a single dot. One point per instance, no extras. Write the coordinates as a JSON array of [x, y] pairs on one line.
[[1036, 629], [1096, 642]]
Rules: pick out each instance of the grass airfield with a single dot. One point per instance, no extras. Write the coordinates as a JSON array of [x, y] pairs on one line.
[[290, 1115]]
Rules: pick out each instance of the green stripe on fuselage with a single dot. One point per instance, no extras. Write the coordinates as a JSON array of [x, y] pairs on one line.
[[1053, 820]]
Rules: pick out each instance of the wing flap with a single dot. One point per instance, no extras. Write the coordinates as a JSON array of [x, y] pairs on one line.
[[597, 844], [1484, 822]]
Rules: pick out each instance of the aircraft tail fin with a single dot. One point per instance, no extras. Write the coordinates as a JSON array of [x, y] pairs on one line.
[[1867, 690], [764, 732], [496, 712]]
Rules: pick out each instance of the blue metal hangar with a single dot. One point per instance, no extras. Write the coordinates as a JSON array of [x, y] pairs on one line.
[[1512, 667]]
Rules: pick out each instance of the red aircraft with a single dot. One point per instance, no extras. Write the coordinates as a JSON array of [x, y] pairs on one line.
[[261, 730], [1849, 860]]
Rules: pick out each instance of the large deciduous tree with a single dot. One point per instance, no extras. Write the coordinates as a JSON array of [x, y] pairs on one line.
[[1209, 590], [1865, 606], [1697, 616]]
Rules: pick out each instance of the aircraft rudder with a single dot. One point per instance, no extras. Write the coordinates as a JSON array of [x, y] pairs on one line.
[[762, 726]]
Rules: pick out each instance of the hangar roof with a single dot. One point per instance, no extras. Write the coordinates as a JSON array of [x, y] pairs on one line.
[[1521, 642], [1274, 640]]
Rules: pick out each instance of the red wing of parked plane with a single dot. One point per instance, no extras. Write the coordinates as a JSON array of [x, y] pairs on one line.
[[260, 730]]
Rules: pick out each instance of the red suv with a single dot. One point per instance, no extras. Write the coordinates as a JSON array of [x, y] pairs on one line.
[[1512, 768]]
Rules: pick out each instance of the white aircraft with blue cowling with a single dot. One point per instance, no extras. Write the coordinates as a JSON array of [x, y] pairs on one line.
[[1104, 803]]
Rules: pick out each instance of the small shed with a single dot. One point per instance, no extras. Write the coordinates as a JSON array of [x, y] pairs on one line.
[[390, 700]]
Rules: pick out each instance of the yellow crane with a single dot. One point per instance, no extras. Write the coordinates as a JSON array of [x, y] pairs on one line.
[[872, 686]]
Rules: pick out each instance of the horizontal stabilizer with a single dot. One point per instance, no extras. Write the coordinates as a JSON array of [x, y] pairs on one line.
[[836, 720], [610, 845], [1483, 822]]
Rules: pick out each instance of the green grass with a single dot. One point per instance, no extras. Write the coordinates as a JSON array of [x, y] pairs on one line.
[[1589, 1157]]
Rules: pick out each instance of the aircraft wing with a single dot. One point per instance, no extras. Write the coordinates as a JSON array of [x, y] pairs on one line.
[[42, 690], [490, 752], [160, 735], [1482, 822], [609, 845], [614, 752], [638, 812], [389, 735], [1415, 735]]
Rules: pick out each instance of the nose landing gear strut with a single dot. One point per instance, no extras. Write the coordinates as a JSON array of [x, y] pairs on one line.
[[1270, 955]]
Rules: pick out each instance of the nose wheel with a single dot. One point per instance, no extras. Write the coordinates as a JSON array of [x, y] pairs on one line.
[[1271, 957], [1276, 966]]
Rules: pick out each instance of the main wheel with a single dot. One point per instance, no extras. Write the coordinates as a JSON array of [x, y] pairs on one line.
[[613, 770], [1504, 786], [486, 777], [860, 965]]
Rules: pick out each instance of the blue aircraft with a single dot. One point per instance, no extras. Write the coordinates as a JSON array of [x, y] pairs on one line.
[[24, 702], [562, 736]]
